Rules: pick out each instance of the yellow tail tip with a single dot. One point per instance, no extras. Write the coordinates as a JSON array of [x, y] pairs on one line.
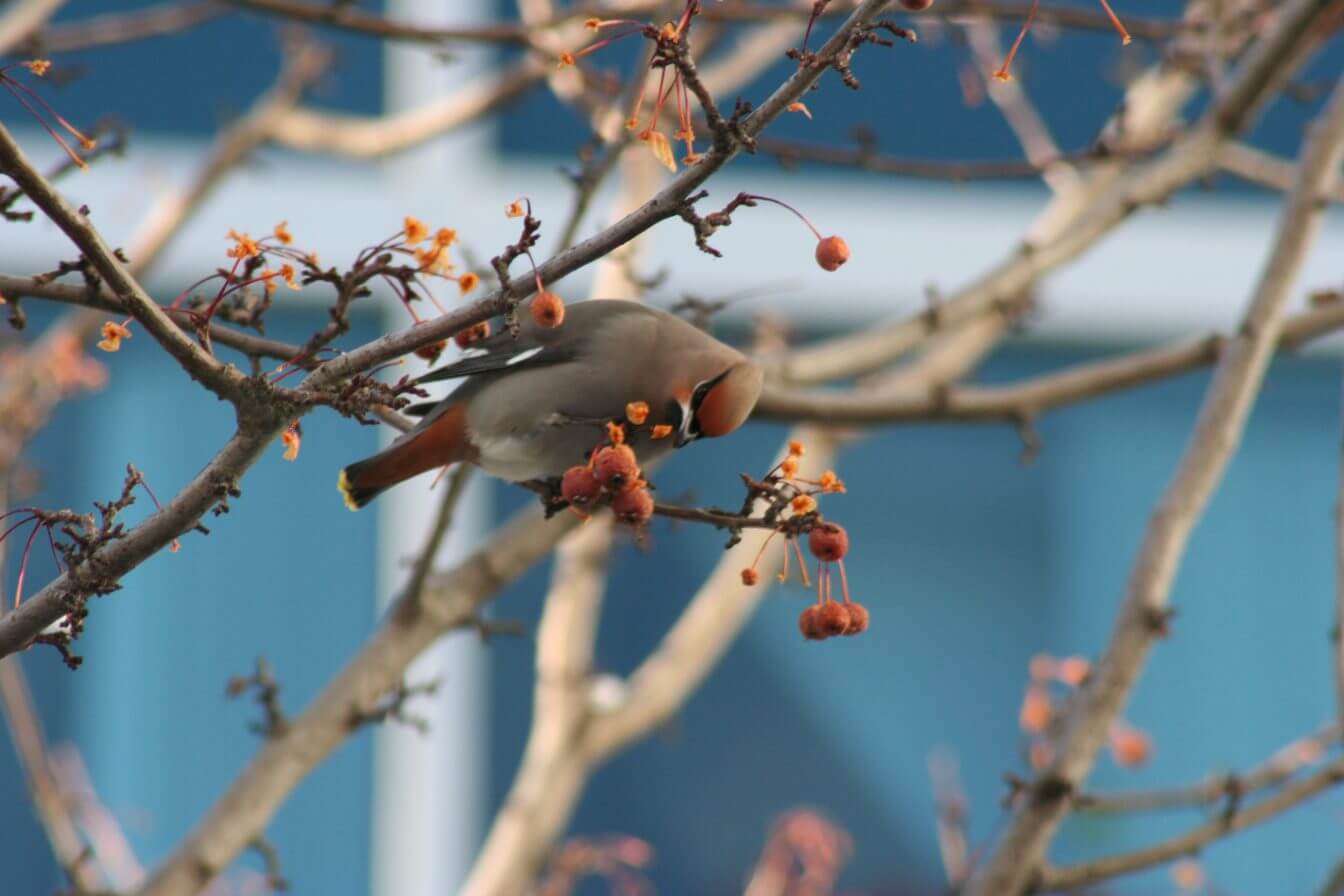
[[343, 486]]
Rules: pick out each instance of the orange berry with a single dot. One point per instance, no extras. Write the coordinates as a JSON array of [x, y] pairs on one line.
[[579, 486], [828, 541], [633, 506], [1072, 670], [858, 618], [473, 334], [832, 618], [831, 253], [548, 310], [750, 577], [1130, 746], [615, 467], [809, 625], [432, 351], [1042, 667], [1036, 709]]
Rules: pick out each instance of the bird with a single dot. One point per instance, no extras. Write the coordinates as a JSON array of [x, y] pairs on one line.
[[533, 405]]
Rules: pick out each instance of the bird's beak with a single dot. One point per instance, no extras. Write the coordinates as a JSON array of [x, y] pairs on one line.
[[683, 439]]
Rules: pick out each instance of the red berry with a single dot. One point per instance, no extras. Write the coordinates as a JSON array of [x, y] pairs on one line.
[[615, 467], [579, 486], [548, 310], [828, 541], [808, 624], [858, 618], [832, 618], [473, 334], [832, 252], [633, 506], [750, 577]]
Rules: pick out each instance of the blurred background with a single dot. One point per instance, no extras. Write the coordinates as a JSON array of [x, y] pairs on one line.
[[970, 561]]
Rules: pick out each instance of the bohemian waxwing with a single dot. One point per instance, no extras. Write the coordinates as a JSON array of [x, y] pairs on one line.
[[533, 406]]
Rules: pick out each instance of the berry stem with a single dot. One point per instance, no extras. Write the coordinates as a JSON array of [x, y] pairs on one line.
[[802, 217]]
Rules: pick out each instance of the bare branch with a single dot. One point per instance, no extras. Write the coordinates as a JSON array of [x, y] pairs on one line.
[[1020, 852]]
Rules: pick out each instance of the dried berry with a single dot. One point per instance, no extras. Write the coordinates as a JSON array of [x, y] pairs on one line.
[[828, 542], [615, 467], [548, 310], [473, 334], [832, 618], [750, 577], [858, 618], [432, 351], [633, 506], [832, 252], [579, 486], [809, 625]]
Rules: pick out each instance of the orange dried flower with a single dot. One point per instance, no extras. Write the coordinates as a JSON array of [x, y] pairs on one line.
[[592, 24], [803, 504], [795, 448], [637, 412], [831, 483], [433, 259], [244, 246], [750, 577], [287, 272], [616, 433], [113, 333], [566, 58], [414, 230], [799, 107], [1035, 713], [445, 236], [37, 66], [661, 431], [291, 439], [515, 209], [467, 282], [282, 233], [548, 310], [662, 148], [788, 468]]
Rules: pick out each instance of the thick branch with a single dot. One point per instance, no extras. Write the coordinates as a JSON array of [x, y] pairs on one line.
[[1021, 851]]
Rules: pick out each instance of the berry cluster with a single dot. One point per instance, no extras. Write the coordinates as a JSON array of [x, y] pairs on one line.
[[611, 476], [828, 617]]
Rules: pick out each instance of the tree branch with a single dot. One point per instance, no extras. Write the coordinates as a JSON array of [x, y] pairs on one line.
[[1021, 851]]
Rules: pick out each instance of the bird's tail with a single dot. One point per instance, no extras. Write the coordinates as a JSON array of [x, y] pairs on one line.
[[438, 441]]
